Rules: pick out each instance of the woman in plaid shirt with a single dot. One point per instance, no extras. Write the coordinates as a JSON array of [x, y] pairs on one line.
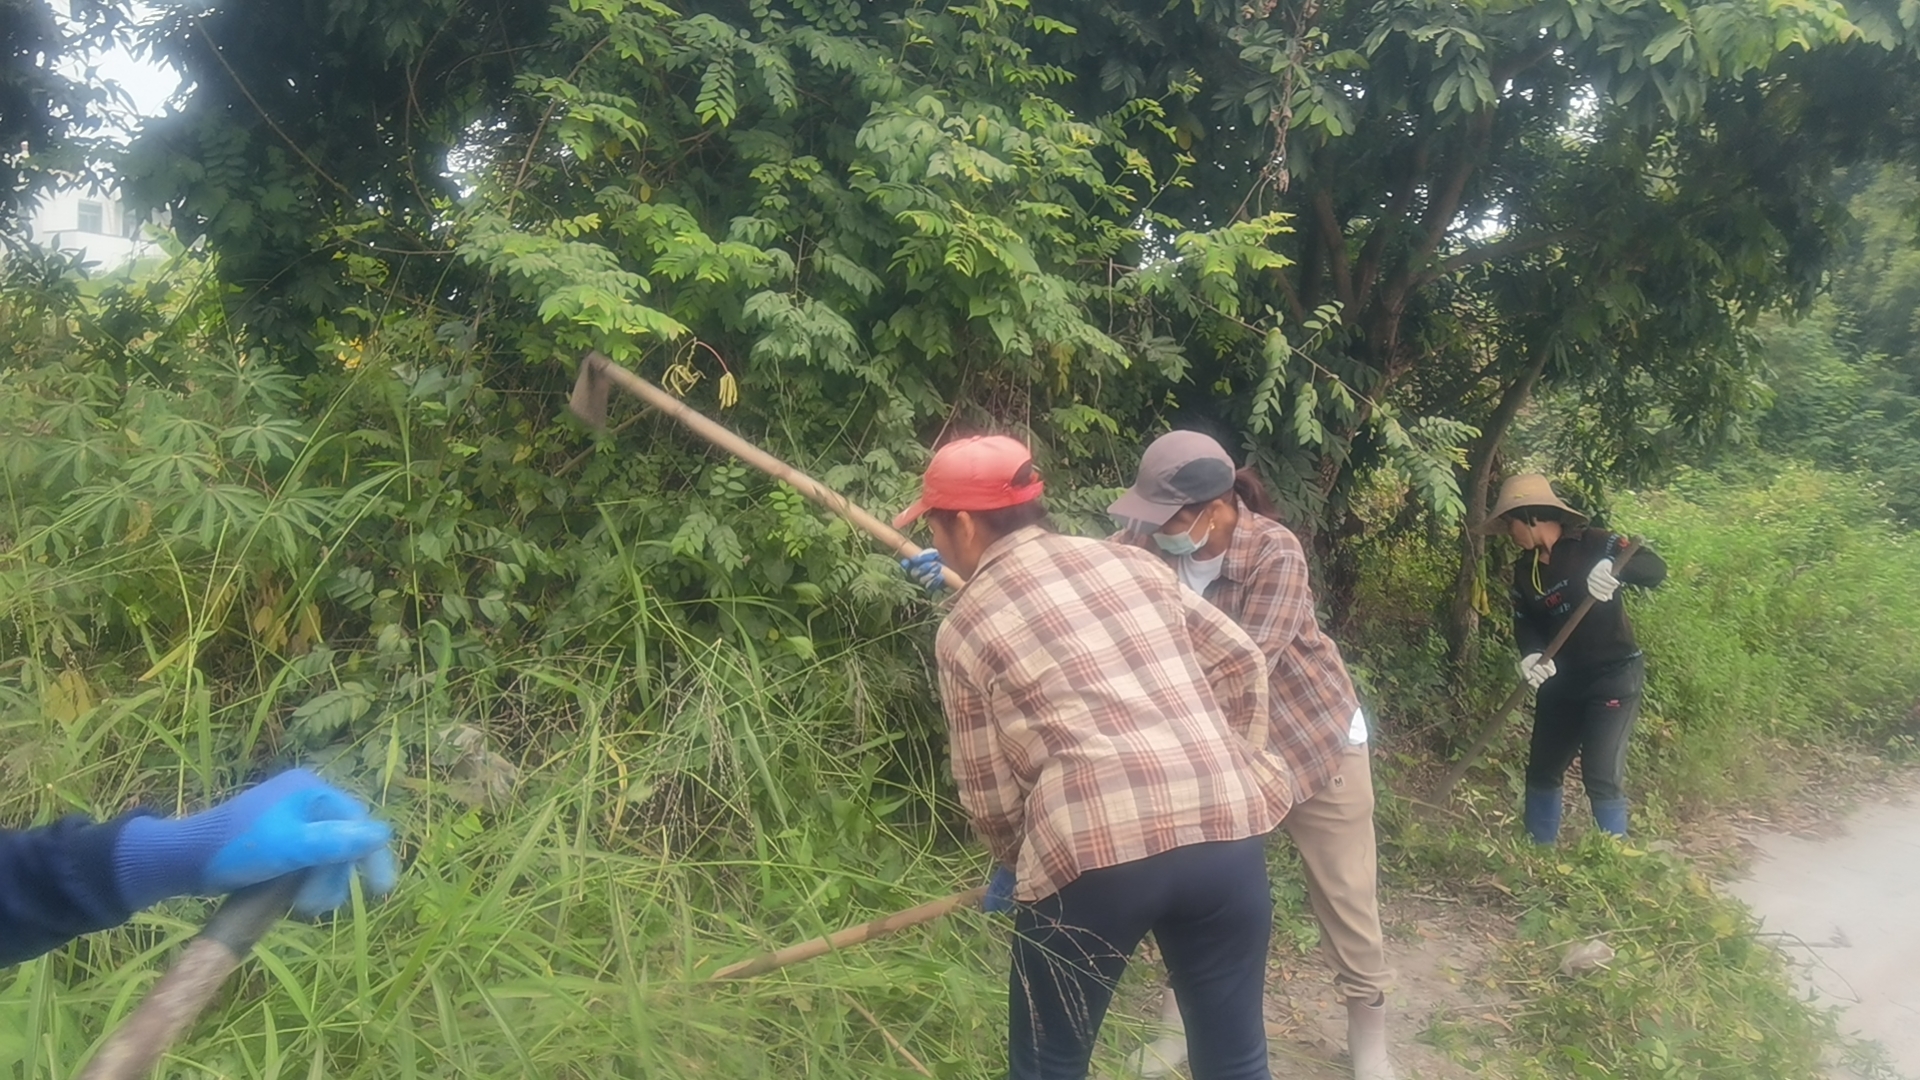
[[1106, 728], [1216, 527]]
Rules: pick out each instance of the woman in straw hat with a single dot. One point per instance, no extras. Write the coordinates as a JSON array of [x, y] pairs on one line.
[[1586, 697]]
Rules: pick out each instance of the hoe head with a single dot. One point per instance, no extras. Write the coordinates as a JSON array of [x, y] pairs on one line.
[[590, 390]]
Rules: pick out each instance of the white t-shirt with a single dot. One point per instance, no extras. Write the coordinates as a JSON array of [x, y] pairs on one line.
[[1197, 574], [1357, 730]]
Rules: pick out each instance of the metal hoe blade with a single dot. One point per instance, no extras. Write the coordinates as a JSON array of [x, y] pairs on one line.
[[590, 390]]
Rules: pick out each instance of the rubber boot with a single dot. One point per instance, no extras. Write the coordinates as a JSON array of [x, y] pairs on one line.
[[1611, 816], [1164, 1055], [1367, 1040], [1543, 814]]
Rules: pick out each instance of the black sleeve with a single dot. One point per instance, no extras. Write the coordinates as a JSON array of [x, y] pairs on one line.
[[56, 883], [1646, 569]]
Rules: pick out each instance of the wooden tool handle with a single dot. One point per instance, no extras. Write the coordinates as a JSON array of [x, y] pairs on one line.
[[1455, 772], [853, 935], [732, 443], [131, 1052]]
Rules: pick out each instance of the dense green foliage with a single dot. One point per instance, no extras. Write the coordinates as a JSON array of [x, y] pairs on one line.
[[49, 117], [1846, 379], [1347, 234], [608, 766], [307, 492]]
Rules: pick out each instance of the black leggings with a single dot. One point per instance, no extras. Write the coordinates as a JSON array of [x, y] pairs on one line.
[[1210, 909], [1590, 713]]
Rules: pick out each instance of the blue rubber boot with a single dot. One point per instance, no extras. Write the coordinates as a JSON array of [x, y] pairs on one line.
[[1611, 816], [1543, 815]]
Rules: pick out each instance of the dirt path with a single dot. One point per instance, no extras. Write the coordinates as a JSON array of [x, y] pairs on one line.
[[1847, 908], [1442, 954]]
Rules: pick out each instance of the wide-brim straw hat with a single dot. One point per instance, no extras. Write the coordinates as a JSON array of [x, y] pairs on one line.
[[1524, 490]]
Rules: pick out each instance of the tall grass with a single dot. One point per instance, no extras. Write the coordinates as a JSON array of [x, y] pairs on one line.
[[564, 926], [1791, 617], [619, 754]]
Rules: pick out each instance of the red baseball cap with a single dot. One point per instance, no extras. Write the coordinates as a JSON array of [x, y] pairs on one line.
[[985, 472]]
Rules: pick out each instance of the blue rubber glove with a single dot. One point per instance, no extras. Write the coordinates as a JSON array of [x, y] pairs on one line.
[[999, 891], [295, 821], [925, 568]]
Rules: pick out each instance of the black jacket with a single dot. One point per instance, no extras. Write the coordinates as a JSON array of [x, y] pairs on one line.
[[57, 883], [1545, 593]]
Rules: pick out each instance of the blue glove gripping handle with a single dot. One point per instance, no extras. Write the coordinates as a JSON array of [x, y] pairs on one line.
[[926, 569], [999, 891], [293, 822]]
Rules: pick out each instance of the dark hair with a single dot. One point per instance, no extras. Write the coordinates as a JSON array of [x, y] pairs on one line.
[[1249, 489], [1534, 515], [1004, 520]]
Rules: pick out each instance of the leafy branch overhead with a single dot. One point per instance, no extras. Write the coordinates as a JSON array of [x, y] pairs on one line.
[[1347, 236]]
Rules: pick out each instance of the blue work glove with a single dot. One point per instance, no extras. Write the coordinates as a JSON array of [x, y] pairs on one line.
[[999, 891], [925, 568], [295, 821]]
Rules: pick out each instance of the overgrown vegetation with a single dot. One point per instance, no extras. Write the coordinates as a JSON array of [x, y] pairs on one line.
[[615, 771], [306, 492]]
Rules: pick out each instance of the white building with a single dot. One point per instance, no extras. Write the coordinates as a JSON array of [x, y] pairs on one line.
[[91, 223]]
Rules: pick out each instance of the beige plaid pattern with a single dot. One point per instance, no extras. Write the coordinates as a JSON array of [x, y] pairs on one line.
[[1098, 713], [1263, 587]]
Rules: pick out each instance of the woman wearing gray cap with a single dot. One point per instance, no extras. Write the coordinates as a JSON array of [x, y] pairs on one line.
[[1216, 526], [1586, 698]]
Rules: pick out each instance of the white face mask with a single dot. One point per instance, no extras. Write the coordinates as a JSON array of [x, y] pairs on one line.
[[1184, 543]]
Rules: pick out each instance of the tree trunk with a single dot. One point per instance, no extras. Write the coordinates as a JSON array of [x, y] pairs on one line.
[[1463, 619]]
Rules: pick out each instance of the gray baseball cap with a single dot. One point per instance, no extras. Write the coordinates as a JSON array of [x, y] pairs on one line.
[[1179, 469]]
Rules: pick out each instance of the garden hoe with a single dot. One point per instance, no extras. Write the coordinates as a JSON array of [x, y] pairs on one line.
[[171, 1006], [598, 375], [1443, 791], [853, 935]]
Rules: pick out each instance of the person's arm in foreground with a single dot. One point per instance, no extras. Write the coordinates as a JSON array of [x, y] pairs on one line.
[[75, 876]]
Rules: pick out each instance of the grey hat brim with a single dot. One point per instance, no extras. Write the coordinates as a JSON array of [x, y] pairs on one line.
[[1135, 507]]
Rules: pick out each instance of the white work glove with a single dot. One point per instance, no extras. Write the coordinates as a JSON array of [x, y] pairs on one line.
[[1601, 584], [1535, 670]]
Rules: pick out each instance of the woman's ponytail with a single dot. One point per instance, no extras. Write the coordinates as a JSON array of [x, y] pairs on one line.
[[1249, 489]]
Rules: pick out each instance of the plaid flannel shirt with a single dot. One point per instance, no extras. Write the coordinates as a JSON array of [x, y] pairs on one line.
[[1263, 587], [1098, 713]]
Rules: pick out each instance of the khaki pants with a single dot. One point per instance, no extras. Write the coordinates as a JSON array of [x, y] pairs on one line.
[[1334, 832]]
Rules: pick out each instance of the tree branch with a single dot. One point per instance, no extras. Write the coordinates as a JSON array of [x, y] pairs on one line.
[[1396, 211], [1498, 249], [1334, 238], [1500, 73], [299, 151], [1441, 209], [1462, 617], [1480, 463], [1294, 306]]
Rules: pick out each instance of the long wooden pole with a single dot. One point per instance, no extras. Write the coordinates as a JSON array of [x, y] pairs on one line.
[[589, 403], [853, 935], [1443, 791], [596, 365], [131, 1052]]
